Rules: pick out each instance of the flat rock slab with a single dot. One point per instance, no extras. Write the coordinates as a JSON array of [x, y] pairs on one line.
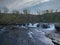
[[55, 37]]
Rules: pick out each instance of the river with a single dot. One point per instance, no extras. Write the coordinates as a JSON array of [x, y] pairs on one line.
[[26, 34]]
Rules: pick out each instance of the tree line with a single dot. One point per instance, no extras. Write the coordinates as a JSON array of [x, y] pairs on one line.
[[16, 17], [26, 11]]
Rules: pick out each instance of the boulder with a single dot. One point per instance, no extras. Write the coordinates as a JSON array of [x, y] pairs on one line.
[[57, 26]]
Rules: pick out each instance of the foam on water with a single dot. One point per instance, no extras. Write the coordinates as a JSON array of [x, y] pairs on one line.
[[41, 30], [30, 34], [32, 25], [49, 26]]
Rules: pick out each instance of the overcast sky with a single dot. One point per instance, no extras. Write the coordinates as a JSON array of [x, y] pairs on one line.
[[38, 4]]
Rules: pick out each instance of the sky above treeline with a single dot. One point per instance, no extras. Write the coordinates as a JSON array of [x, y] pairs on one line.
[[33, 5]]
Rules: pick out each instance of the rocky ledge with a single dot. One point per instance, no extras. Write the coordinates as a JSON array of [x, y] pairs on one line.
[[55, 37]]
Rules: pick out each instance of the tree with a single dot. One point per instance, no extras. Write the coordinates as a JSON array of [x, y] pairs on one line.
[[56, 10], [0, 10], [47, 11], [15, 12], [5, 9], [52, 11], [38, 12], [25, 11]]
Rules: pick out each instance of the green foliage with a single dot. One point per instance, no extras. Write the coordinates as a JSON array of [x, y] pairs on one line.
[[6, 18]]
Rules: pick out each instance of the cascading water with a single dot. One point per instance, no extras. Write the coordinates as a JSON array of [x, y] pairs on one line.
[[35, 33], [38, 36], [32, 25], [43, 30]]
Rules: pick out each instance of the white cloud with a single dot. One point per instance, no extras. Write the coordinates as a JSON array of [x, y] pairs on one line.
[[19, 4]]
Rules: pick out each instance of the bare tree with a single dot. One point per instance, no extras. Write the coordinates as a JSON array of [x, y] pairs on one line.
[[51, 11], [15, 12], [25, 11], [5, 9], [0, 10], [56, 10], [38, 12]]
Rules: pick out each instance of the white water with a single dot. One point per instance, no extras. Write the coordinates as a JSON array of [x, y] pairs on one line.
[[40, 30], [34, 25], [50, 26]]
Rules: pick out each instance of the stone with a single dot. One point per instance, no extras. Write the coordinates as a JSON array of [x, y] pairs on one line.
[[55, 37], [38, 38]]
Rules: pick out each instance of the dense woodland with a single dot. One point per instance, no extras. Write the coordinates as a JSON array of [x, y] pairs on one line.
[[16, 18]]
